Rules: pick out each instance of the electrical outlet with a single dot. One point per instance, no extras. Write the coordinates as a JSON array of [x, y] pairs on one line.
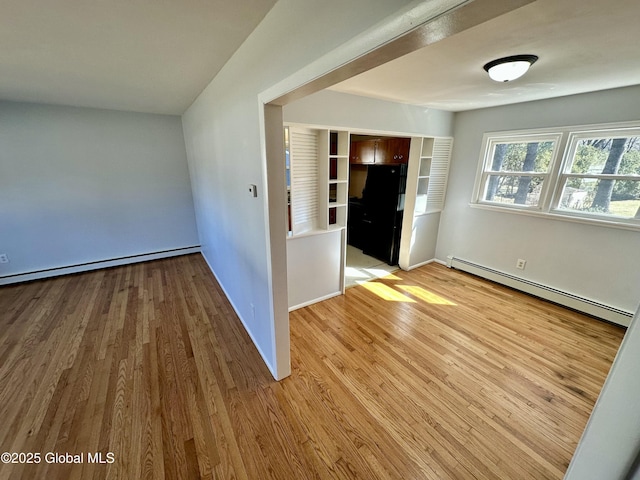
[[4, 258], [520, 264]]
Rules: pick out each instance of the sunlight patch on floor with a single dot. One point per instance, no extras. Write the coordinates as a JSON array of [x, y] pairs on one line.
[[425, 295], [387, 293]]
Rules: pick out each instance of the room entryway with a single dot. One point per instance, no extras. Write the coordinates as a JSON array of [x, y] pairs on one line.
[[362, 268]]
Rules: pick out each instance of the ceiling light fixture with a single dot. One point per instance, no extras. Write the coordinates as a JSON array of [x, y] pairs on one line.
[[509, 68]]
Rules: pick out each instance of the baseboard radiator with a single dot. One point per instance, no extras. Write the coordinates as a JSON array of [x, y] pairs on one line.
[[95, 265], [575, 302]]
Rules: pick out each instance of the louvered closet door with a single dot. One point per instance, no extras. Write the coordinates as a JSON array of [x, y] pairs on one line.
[[439, 172], [304, 179]]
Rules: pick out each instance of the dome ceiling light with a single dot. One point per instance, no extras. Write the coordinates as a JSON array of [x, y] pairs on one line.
[[509, 68]]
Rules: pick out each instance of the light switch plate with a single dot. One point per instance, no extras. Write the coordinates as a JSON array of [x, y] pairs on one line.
[[253, 190]]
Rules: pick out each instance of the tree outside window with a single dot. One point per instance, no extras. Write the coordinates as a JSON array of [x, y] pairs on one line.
[[603, 176], [516, 172]]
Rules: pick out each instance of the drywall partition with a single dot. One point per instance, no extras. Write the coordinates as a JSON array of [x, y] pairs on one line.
[[595, 262], [354, 113], [84, 188], [226, 149], [314, 271]]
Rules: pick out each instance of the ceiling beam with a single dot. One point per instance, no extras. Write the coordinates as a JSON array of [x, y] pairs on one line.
[[456, 20]]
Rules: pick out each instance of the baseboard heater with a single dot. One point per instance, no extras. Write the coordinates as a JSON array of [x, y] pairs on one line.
[[95, 265], [584, 305]]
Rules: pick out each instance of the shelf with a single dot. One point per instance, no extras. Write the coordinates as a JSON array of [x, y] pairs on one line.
[[425, 167], [339, 144], [427, 147], [423, 186], [333, 163], [337, 216], [338, 168], [335, 227]]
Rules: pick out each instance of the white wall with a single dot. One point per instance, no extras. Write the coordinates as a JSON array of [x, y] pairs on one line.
[[226, 151], [335, 109], [81, 185], [610, 443], [314, 267], [595, 262]]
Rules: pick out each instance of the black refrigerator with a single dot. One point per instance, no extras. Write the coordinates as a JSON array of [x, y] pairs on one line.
[[382, 209]]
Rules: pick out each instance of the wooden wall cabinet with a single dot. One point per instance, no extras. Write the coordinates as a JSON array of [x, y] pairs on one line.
[[398, 150], [379, 151], [363, 152]]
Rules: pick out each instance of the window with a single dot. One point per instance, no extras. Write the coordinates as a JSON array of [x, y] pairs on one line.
[[601, 175], [516, 170], [590, 174]]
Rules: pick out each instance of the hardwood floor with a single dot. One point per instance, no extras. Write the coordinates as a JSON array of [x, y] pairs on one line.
[[430, 374]]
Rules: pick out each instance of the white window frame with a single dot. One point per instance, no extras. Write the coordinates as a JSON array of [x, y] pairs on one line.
[[559, 173], [489, 143], [565, 174]]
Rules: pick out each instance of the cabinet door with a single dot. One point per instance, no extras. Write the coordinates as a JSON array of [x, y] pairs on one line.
[[362, 152], [382, 151], [398, 150]]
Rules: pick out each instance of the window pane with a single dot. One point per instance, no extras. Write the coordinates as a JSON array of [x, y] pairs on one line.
[[513, 189], [522, 157], [607, 156], [619, 198]]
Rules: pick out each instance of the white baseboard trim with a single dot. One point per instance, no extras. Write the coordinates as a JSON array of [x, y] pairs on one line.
[[422, 264], [85, 267], [315, 300], [244, 324], [566, 299]]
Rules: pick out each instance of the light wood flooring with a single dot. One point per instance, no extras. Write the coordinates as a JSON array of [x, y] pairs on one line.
[[429, 374]]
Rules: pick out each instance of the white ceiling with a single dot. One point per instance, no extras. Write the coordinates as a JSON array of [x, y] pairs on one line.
[[157, 55], [583, 45], [142, 55]]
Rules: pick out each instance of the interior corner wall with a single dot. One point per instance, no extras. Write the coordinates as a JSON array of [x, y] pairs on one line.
[[224, 146], [81, 185], [610, 444], [595, 262], [352, 112]]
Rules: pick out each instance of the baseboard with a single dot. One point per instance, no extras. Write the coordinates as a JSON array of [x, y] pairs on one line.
[[315, 300], [566, 299], [244, 324], [88, 266], [422, 264]]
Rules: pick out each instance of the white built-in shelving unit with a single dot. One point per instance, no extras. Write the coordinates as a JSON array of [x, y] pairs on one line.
[[317, 243], [319, 171], [333, 157], [427, 175], [424, 175]]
